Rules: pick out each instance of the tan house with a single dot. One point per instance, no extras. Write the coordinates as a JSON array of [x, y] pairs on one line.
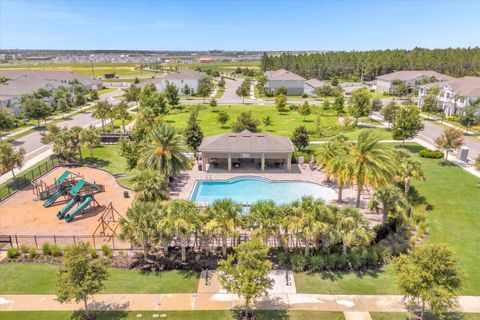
[[386, 82], [246, 150]]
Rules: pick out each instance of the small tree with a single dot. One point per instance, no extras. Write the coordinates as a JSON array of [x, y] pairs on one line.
[[93, 95], [63, 106], [193, 132], [171, 94], [90, 138], [339, 104], [186, 90], [407, 123], [376, 104], [205, 87], [300, 138], [469, 117], [281, 90], [430, 104], [132, 94], [223, 117], [429, 274], [389, 112], [244, 89], [450, 140], [213, 103], [245, 273], [10, 158], [36, 109], [267, 122], [360, 104], [281, 102], [80, 277], [245, 121], [7, 121], [305, 110]]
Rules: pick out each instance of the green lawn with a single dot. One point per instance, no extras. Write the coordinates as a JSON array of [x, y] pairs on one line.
[[220, 92], [454, 219], [17, 278], [405, 316], [105, 90], [177, 315], [283, 123]]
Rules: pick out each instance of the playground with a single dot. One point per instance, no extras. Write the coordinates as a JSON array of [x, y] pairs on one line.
[[65, 201]]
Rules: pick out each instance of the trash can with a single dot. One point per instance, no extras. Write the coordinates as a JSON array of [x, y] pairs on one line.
[[200, 167], [462, 154], [126, 194]]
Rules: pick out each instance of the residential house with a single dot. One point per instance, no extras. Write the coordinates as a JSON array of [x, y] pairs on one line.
[[21, 82], [454, 95], [180, 79], [294, 83], [388, 82], [311, 85]]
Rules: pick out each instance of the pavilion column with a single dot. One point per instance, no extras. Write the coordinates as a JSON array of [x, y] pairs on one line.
[[263, 162], [229, 162], [289, 162], [204, 162]]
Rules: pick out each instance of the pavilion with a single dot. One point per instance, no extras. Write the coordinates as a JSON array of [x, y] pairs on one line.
[[247, 150]]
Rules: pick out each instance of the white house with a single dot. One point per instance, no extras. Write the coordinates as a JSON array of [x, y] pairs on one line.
[[311, 85], [181, 79], [454, 95], [386, 82], [294, 83]]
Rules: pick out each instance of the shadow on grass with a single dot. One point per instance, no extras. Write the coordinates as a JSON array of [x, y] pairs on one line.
[[338, 275], [95, 162], [239, 313]]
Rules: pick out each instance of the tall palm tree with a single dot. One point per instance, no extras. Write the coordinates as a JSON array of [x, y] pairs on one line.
[[102, 111], [181, 222], [388, 201], [353, 228], [165, 152], [224, 218], [373, 162], [150, 186], [408, 169], [140, 224], [262, 219], [121, 112], [90, 139], [341, 168]]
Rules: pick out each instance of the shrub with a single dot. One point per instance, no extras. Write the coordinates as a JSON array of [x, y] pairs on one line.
[[293, 107], [282, 258], [304, 95], [92, 252], [372, 257], [24, 248], [317, 263], [46, 249], [431, 154], [298, 262], [12, 253], [56, 250], [32, 253], [107, 251], [477, 162]]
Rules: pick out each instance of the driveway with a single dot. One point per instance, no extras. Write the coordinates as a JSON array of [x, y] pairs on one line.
[[230, 95]]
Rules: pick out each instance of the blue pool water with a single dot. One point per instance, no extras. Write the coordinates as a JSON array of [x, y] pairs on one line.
[[247, 190]]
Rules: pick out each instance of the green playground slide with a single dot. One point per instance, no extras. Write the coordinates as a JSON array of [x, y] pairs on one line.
[[53, 197], [77, 187], [86, 201], [67, 207], [62, 178]]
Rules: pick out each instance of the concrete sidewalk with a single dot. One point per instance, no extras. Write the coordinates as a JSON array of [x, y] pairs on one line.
[[224, 301]]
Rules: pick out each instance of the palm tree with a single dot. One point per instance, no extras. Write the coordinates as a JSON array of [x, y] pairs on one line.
[[140, 224], [341, 168], [165, 152], [224, 218], [90, 139], [353, 228], [328, 152], [181, 222], [408, 170], [121, 112], [388, 201], [373, 162], [102, 110], [149, 186], [262, 219]]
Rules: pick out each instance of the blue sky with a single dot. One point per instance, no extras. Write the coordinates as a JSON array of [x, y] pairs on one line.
[[238, 25]]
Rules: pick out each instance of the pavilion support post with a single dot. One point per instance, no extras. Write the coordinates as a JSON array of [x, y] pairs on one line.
[[263, 162], [204, 163], [289, 162], [229, 162]]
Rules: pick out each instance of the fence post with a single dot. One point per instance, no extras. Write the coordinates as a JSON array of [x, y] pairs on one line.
[[16, 240], [94, 246], [74, 240], [36, 244], [113, 243], [54, 239]]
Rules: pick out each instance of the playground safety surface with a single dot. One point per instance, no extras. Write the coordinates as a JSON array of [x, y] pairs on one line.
[[22, 214]]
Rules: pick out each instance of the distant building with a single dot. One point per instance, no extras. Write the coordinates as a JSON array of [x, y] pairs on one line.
[[282, 78], [21, 82], [387, 82], [454, 95], [179, 79], [110, 76], [205, 60], [311, 85]]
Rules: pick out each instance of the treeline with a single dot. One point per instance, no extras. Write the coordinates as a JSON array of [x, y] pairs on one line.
[[367, 65]]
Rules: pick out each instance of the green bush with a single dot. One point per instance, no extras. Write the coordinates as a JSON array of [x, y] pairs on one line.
[[12, 253], [56, 250], [93, 252], [431, 154], [282, 258], [299, 262], [24, 248], [477, 162], [32, 253], [317, 263], [46, 249], [107, 251]]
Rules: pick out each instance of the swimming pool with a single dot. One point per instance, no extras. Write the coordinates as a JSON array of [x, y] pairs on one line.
[[247, 190]]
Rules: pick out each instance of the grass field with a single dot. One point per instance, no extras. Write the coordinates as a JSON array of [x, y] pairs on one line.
[[18, 278], [177, 315], [454, 197], [105, 90], [405, 316], [283, 123]]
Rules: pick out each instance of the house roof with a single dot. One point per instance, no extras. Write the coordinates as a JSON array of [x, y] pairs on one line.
[[282, 74], [185, 74], [407, 75], [315, 83], [246, 141], [466, 86]]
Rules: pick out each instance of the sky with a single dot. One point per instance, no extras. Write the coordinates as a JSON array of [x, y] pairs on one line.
[[238, 25]]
